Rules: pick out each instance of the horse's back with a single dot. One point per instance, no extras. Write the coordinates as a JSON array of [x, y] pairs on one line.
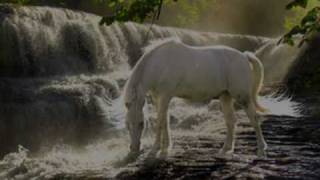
[[175, 52], [204, 72], [180, 58]]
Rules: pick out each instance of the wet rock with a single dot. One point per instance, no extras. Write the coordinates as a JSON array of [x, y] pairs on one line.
[[303, 79], [190, 122], [292, 154], [173, 121]]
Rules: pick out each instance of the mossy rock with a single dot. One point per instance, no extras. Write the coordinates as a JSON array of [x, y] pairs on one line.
[[304, 76]]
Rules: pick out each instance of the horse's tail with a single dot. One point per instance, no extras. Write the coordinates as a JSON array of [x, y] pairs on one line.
[[258, 76]]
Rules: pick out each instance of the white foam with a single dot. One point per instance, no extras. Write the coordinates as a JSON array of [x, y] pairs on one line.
[[281, 105]]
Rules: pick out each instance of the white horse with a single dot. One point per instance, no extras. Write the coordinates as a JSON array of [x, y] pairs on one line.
[[173, 69]]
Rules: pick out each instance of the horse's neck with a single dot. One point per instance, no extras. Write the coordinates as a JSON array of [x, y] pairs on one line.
[[137, 92], [136, 88]]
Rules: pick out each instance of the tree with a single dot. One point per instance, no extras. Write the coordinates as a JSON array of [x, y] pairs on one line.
[[137, 10], [308, 26]]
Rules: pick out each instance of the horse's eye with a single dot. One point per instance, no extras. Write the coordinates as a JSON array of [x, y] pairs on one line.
[[140, 124], [127, 104], [128, 125]]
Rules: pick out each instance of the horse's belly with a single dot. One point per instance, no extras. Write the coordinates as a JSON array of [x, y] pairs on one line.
[[198, 94]]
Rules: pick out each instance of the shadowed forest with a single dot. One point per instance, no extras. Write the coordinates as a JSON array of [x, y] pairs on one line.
[[241, 17]]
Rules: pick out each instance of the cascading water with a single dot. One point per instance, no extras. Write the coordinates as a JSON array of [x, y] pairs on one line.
[[277, 60], [57, 68], [60, 72]]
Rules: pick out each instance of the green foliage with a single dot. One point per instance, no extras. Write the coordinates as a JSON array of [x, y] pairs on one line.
[[184, 13], [297, 13], [137, 10], [309, 23], [296, 3]]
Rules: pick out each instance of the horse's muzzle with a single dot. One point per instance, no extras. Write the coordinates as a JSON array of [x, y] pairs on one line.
[[135, 148]]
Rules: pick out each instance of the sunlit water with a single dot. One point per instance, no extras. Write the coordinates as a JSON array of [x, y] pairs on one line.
[[281, 105], [101, 156]]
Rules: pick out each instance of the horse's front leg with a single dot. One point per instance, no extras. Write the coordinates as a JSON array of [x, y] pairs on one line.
[[165, 138], [164, 125], [156, 145], [162, 139], [230, 120]]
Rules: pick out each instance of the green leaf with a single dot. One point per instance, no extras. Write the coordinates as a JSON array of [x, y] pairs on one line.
[[137, 10], [112, 4], [311, 16], [108, 20], [289, 41], [297, 3], [296, 30]]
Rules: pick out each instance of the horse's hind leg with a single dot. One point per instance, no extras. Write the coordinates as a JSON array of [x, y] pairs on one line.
[[255, 122], [230, 120]]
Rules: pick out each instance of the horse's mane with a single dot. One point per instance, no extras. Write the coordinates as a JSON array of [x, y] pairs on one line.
[[131, 87]]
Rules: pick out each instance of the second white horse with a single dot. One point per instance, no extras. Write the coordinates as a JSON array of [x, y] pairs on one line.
[[172, 69]]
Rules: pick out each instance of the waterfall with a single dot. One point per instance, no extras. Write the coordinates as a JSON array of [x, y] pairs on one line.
[[278, 59], [43, 41], [61, 76], [59, 71]]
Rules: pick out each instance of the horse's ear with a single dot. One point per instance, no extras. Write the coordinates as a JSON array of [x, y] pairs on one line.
[[130, 97], [127, 104]]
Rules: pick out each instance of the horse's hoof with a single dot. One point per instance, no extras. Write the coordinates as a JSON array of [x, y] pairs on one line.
[[152, 154], [224, 152], [262, 154], [132, 156], [163, 155]]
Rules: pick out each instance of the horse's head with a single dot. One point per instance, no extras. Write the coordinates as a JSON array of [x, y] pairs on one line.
[[135, 123]]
